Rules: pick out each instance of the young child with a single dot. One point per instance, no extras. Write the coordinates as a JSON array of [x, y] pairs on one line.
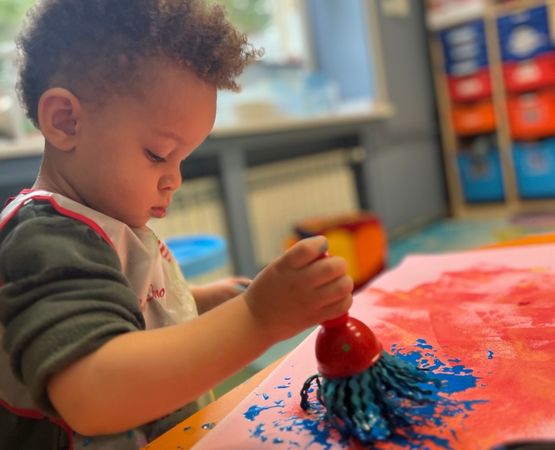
[[102, 342]]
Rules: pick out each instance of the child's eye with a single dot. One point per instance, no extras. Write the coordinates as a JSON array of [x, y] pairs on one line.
[[153, 156]]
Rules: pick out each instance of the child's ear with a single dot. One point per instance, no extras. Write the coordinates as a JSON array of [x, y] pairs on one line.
[[59, 113]]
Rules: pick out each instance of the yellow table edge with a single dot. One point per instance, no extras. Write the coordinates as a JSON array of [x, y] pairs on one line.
[[187, 433]]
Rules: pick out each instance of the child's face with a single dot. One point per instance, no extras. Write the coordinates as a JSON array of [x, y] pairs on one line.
[[129, 151]]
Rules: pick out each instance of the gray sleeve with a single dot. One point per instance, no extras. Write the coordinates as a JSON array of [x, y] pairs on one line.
[[63, 296]]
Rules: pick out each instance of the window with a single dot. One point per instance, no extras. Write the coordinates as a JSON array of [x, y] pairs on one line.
[[318, 58], [12, 123], [11, 13], [277, 26]]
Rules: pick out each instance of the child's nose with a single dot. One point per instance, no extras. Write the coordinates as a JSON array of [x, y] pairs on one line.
[[171, 180]]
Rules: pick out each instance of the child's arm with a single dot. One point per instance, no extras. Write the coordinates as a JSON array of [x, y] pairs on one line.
[[139, 376], [208, 296]]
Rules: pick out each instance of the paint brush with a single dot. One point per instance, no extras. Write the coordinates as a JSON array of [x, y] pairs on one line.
[[368, 394]]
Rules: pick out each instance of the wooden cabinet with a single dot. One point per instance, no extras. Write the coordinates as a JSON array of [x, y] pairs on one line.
[[494, 72]]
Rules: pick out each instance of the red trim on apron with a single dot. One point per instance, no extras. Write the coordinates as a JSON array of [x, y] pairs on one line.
[[37, 415], [63, 211]]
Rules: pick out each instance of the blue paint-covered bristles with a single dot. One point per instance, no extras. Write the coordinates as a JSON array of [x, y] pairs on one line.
[[380, 403]]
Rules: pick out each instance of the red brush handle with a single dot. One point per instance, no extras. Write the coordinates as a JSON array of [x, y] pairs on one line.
[[345, 346]]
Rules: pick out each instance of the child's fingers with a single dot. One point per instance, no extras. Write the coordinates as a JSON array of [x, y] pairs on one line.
[[304, 252], [336, 309], [324, 271], [242, 281], [335, 290], [241, 284]]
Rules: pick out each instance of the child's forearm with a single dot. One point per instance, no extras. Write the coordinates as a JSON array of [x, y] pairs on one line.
[[140, 376]]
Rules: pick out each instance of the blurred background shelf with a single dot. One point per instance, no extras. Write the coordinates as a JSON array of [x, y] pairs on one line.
[[443, 15], [495, 86]]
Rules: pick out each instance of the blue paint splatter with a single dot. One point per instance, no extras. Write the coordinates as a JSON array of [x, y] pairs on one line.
[[421, 343], [490, 354], [254, 411], [454, 377], [258, 433]]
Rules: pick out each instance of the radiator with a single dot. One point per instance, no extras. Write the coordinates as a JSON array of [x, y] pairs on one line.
[[283, 193], [280, 195]]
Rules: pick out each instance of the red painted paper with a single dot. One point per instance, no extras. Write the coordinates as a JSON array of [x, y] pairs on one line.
[[483, 322]]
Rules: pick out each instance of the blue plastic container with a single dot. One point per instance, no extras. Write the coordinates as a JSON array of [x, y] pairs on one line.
[[535, 168], [464, 48], [481, 177], [525, 34], [198, 254]]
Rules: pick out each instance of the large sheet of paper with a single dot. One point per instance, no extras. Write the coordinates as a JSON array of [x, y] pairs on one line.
[[482, 321]]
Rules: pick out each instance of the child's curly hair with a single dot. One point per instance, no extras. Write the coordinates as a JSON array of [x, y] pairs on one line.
[[95, 47]]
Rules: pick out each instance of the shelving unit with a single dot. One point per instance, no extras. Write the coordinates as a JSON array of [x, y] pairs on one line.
[[485, 14]]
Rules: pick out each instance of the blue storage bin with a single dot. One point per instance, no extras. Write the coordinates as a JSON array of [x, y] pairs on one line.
[[481, 177], [198, 254], [464, 48], [535, 168], [525, 34]]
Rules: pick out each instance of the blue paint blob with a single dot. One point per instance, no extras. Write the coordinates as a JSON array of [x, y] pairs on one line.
[[316, 426], [490, 354], [421, 343], [254, 411]]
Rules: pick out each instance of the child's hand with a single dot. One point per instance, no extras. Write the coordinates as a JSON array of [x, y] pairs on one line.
[[208, 296], [300, 289]]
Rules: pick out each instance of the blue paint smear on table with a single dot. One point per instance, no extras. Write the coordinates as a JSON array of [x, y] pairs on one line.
[[454, 376]]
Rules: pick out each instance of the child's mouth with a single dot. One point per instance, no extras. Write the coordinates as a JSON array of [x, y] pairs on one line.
[[158, 212]]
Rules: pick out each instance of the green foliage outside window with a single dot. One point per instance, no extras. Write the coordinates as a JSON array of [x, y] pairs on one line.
[[249, 16], [11, 13]]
